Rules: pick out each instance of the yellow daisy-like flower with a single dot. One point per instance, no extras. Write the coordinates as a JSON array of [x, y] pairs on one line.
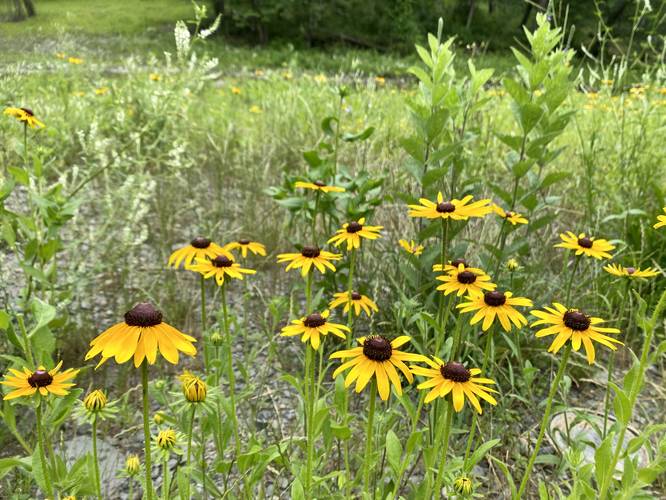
[[411, 247], [27, 383], [95, 401], [255, 109], [198, 248], [75, 60], [142, 335], [632, 272], [24, 115], [356, 300], [319, 186], [380, 357], [512, 217], [309, 257], [155, 77], [454, 378], [454, 209], [495, 304], [572, 324], [352, 232], [244, 245], [219, 267], [166, 439], [512, 265], [465, 281], [584, 245], [312, 327], [235, 90], [661, 220], [452, 266]]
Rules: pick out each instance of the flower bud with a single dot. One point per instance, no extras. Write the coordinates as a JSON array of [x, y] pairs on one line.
[[166, 439], [217, 339], [195, 390], [95, 401], [132, 465], [512, 265], [158, 418], [463, 485]]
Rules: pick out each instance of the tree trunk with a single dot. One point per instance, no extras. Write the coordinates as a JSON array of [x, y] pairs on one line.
[[470, 13], [491, 6], [29, 8]]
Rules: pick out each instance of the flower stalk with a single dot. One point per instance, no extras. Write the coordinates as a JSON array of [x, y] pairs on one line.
[[42, 455], [146, 430], [230, 372], [369, 437]]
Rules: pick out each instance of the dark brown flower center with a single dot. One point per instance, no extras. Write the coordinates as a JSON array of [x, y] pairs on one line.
[[455, 371], [585, 242], [244, 242], [319, 183], [494, 298], [222, 261], [509, 213], [466, 277], [631, 270], [28, 111], [314, 320], [200, 242], [40, 378], [143, 314], [445, 207], [310, 252], [354, 227], [457, 262], [377, 348], [355, 296], [576, 320]]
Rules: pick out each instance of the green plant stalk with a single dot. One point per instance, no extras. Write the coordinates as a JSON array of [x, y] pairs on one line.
[[131, 488], [403, 463], [25, 144], [308, 393], [337, 138], [571, 278], [189, 445], [314, 218], [445, 433], [545, 420], [203, 457], [350, 289], [42, 456], [369, 437], [634, 390], [230, 372], [204, 323], [146, 430], [165, 480], [345, 416], [27, 348], [98, 486]]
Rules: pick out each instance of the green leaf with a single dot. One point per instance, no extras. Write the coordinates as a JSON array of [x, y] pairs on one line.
[[621, 405], [4, 320], [9, 463], [393, 451], [480, 452], [297, 491], [552, 178], [326, 125], [43, 313], [361, 136], [21, 176], [602, 459], [342, 432]]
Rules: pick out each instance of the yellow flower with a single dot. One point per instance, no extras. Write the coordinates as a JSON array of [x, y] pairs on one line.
[[352, 232], [155, 77], [102, 90], [356, 300], [411, 247], [512, 265], [380, 357], [463, 485], [95, 401], [585, 245], [78, 93], [132, 465], [253, 246], [452, 266], [75, 60], [24, 115], [631, 272], [319, 186], [454, 209], [607, 82], [198, 248], [142, 335], [454, 378], [60, 55], [235, 90], [287, 75], [219, 267], [312, 327], [194, 389], [661, 220], [255, 109], [27, 383], [512, 217], [380, 80], [572, 324], [309, 257], [465, 280], [158, 418], [166, 439], [320, 78], [495, 304]]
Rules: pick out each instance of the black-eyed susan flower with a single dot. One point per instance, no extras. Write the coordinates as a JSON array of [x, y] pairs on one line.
[[75, 60], [41, 381], [452, 266], [454, 378], [219, 267], [194, 389], [661, 220], [574, 325], [379, 357], [354, 300], [463, 485], [312, 327], [309, 257], [584, 245], [353, 232], [95, 401], [509, 215], [319, 186], [411, 247], [200, 248], [166, 439], [24, 115], [465, 281], [142, 335], [631, 272], [132, 465], [495, 304], [453, 209], [246, 245]]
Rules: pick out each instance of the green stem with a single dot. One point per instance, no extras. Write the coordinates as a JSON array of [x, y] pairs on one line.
[[98, 485], [350, 289], [42, 456], [26, 340], [314, 219], [403, 464], [165, 480], [369, 437], [345, 406], [571, 278], [308, 292], [25, 144], [204, 323], [131, 489], [337, 139], [545, 420], [230, 372], [444, 445], [203, 457], [189, 446], [146, 430], [309, 417]]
